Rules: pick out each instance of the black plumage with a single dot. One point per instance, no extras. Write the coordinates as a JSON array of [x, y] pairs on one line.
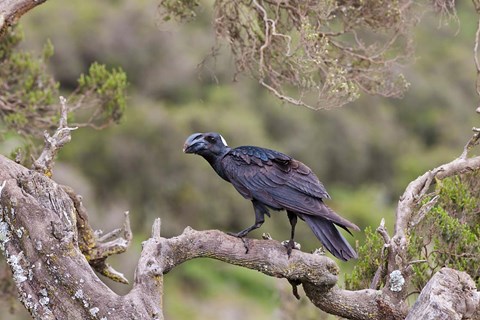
[[273, 180]]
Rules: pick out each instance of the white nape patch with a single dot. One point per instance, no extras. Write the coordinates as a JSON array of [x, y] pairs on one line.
[[224, 141]]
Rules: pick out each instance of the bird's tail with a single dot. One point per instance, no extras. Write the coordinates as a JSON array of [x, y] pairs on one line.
[[330, 237]]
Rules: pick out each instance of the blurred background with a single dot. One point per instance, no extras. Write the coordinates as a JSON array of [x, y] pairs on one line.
[[365, 153]]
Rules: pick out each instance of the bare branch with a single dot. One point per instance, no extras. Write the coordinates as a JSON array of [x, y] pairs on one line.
[[474, 140], [54, 143], [157, 224], [383, 232], [98, 255], [365, 304], [475, 57], [407, 214], [296, 102], [417, 188], [12, 10], [97, 249], [38, 237], [266, 256], [317, 273], [424, 210]]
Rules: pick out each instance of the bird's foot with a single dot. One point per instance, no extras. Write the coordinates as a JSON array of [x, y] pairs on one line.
[[242, 237], [290, 245], [246, 244]]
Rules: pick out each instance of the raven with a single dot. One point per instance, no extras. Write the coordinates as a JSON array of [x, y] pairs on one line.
[[273, 180]]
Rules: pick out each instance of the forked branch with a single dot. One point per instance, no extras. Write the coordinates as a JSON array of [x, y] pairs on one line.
[[408, 214], [54, 143]]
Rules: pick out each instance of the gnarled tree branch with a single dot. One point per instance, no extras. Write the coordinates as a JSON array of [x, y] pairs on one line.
[[97, 249], [40, 240], [267, 256], [407, 216], [12, 10], [67, 239]]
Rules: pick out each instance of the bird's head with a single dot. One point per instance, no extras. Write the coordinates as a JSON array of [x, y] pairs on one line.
[[206, 144]]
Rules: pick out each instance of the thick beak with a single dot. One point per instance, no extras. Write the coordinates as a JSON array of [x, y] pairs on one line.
[[193, 143]]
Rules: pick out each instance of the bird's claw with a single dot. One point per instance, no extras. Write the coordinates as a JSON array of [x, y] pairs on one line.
[[290, 245], [245, 244], [242, 237]]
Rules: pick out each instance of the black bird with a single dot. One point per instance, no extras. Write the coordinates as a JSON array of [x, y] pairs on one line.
[[273, 180]]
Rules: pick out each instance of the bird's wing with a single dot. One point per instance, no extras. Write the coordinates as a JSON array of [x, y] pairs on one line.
[[277, 180], [273, 169]]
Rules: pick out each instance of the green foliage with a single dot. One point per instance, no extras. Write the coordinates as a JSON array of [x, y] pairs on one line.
[[449, 234], [109, 87], [178, 9], [10, 40], [318, 54], [369, 259], [26, 88], [29, 93]]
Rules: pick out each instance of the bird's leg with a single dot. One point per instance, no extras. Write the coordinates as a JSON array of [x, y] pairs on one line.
[[260, 211], [244, 232], [292, 217], [259, 220]]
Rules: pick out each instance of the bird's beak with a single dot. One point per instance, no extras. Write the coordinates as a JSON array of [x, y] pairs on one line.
[[193, 143]]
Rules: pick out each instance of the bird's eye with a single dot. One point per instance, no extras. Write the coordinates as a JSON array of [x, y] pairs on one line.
[[210, 139]]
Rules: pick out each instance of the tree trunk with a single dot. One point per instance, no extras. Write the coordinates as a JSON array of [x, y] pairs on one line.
[[39, 239]]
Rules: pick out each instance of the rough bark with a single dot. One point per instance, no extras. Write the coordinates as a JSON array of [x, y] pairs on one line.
[[361, 305], [449, 295], [12, 10], [39, 240]]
